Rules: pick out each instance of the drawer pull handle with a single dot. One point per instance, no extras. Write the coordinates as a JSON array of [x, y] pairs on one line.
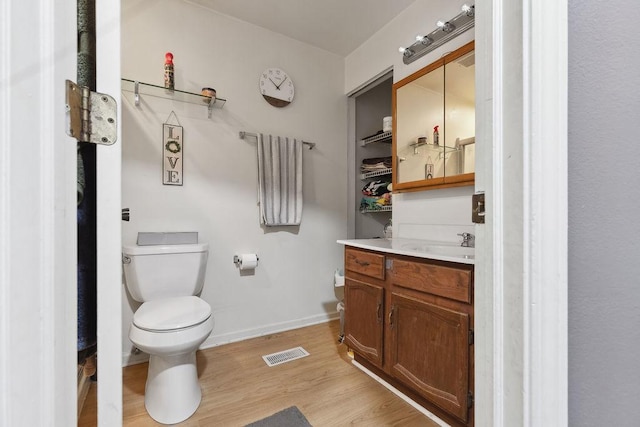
[[362, 263], [391, 316]]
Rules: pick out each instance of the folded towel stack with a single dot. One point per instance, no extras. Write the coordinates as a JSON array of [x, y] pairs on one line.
[[375, 163], [377, 194]]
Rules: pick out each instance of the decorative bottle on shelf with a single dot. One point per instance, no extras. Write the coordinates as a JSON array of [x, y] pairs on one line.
[[168, 71], [436, 136]]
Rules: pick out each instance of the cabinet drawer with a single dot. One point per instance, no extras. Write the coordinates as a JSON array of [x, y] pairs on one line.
[[448, 282], [366, 263]]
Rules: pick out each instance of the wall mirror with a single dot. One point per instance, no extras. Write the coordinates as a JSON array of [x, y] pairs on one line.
[[434, 124]]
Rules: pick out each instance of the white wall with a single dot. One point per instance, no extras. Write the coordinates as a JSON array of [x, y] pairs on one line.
[[424, 210], [604, 297], [292, 285]]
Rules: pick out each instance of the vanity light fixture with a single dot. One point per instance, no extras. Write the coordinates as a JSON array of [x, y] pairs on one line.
[[445, 31]]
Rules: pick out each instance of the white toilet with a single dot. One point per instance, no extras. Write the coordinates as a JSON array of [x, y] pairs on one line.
[[171, 323]]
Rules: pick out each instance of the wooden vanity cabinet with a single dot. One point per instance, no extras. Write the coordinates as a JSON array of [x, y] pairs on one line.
[[364, 293], [415, 324], [430, 332]]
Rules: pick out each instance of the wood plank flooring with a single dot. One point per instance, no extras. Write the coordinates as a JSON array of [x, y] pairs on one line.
[[239, 388]]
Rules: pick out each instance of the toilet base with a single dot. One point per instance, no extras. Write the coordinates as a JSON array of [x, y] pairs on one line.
[[172, 393]]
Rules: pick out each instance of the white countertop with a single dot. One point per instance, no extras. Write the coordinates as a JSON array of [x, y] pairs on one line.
[[443, 251]]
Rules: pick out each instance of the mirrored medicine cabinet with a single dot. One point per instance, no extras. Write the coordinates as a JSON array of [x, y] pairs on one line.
[[434, 124]]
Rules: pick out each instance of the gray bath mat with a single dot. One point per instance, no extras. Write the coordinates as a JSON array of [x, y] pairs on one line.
[[290, 417]]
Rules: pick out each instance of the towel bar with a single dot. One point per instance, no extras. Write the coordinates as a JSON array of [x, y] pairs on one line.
[[244, 134]]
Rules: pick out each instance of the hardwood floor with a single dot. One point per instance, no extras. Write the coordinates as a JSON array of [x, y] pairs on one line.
[[239, 388]]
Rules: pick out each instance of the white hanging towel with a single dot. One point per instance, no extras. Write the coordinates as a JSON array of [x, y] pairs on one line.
[[280, 180]]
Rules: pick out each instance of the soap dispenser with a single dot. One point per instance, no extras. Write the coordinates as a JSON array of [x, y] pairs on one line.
[[436, 136], [388, 230]]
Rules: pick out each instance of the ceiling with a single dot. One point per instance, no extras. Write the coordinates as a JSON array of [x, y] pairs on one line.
[[338, 26]]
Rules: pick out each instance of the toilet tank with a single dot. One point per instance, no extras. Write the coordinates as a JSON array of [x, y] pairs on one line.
[[164, 271]]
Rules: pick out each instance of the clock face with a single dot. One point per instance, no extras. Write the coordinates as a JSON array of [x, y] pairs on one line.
[[276, 87]]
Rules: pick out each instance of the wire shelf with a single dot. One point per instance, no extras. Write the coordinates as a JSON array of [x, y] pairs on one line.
[[380, 172], [381, 137], [386, 208]]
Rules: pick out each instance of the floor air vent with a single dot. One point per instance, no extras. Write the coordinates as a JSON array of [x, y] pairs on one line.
[[285, 356]]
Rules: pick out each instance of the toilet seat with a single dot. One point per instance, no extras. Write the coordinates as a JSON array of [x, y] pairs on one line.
[[171, 314]]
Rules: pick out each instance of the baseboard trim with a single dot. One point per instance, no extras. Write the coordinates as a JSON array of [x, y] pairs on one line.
[[216, 340], [129, 359], [401, 395]]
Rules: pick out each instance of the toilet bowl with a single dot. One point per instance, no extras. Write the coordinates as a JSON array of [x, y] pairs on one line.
[[170, 331], [170, 325]]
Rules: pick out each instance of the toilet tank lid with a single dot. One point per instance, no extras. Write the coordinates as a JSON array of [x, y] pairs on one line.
[[171, 313], [164, 249]]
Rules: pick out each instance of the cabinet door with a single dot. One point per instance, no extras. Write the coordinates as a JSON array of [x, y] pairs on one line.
[[363, 325], [430, 352]]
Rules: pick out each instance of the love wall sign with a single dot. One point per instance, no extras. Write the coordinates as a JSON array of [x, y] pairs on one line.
[[172, 154]]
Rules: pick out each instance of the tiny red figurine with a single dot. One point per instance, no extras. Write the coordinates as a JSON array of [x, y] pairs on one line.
[[168, 71]]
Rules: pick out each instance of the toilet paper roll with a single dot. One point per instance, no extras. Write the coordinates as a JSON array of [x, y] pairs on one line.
[[247, 261]]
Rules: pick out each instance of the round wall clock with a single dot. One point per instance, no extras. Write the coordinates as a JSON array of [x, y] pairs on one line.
[[276, 87]]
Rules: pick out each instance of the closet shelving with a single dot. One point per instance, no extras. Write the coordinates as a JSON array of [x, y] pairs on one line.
[[384, 137], [381, 137], [373, 174], [387, 208], [140, 88]]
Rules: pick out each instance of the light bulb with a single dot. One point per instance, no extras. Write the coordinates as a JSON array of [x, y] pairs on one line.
[[468, 10], [406, 52], [447, 27], [419, 38]]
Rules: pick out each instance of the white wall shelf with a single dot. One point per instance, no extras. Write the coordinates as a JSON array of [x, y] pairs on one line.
[[139, 88]]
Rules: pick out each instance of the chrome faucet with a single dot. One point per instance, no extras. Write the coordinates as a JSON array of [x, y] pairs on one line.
[[468, 240]]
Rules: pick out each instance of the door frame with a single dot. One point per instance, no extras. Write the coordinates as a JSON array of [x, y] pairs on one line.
[[521, 367], [109, 216]]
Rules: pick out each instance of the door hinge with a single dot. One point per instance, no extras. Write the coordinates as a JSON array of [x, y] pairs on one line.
[[470, 336], [469, 399], [477, 208], [91, 116]]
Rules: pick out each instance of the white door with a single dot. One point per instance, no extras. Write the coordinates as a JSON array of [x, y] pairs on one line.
[[37, 215]]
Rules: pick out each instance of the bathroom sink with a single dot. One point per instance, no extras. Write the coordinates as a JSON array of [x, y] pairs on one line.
[[442, 249], [458, 251]]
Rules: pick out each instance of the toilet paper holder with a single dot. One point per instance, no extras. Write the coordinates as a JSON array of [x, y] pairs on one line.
[[237, 261]]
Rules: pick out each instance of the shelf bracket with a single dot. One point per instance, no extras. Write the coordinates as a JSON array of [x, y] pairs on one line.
[[136, 92], [91, 116]]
